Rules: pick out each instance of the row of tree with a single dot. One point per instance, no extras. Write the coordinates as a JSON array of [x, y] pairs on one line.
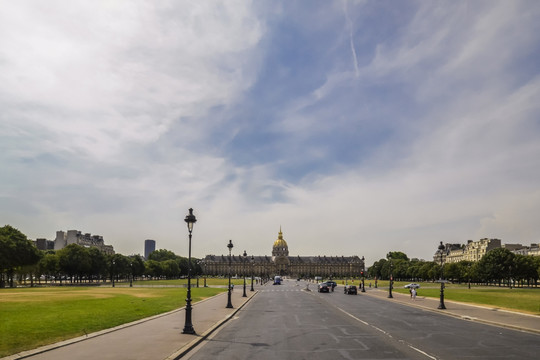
[[498, 266], [74, 263]]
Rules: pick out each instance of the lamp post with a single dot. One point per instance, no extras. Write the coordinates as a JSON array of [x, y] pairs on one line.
[[112, 272], [363, 274], [391, 277], [131, 275], [469, 274], [229, 303], [244, 271], [252, 267], [204, 267], [188, 326], [441, 299]]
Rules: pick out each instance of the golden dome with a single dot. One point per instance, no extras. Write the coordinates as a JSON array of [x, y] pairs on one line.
[[280, 242]]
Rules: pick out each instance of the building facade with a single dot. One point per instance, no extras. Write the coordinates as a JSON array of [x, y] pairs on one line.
[[63, 239], [149, 246], [475, 250], [281, 263]]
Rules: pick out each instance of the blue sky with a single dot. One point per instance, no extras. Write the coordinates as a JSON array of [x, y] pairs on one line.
[[359, 127]]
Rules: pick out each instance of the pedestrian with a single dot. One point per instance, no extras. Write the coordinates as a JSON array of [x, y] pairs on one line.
[[410, 292], [413, 294], [232, 287]]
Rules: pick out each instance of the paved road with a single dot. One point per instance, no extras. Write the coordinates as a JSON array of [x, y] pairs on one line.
[[285, 322]]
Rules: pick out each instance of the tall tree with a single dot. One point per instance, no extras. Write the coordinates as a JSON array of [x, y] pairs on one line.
[[15, 251]]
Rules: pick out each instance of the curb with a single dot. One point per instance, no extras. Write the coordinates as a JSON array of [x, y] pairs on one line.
[[200, 338]]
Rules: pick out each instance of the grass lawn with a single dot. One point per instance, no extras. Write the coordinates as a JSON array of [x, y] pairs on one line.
[[518, 299], [209, 282], [33, 317]]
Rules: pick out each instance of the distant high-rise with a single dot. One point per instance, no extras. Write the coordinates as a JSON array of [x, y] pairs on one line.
[[149, 246]]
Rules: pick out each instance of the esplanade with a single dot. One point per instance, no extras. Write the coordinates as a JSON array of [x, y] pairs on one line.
[[280, 263]]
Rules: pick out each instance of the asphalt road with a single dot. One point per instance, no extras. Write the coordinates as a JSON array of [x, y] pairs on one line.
[[287, 322]]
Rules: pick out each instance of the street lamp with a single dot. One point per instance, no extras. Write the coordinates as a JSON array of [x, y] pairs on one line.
[[252, 267], [112, 273], [244, 271], [204, 267], [391, 277], [188, 326], [131, 278], [229, 303], [441, 300], [363, 274]]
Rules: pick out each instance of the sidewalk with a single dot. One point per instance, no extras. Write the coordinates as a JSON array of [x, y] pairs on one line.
[[488, 315], [161, 338]]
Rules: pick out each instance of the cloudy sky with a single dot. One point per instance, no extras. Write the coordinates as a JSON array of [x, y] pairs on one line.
[[359, 127]]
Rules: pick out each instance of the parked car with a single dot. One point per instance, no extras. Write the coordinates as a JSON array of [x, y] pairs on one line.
[[351, 290], [412, 286], [323, 287]]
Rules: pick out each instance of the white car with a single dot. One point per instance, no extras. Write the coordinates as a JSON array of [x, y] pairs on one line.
[[412, 286]]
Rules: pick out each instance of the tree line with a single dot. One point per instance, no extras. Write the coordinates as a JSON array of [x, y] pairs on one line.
[[499, 266], [20, 259]]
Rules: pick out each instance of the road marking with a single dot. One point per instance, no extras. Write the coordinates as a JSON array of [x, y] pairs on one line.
[[422, 352], [354, 317], [388, 334]]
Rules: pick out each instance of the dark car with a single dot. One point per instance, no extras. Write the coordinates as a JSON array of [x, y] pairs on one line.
[[331, 284], [323, 287], [351, 290]]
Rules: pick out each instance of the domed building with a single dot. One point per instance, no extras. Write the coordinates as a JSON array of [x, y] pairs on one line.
[[280, 263]]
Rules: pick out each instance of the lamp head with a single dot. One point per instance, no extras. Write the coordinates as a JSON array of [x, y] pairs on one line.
[[441, 247], [190, 220]]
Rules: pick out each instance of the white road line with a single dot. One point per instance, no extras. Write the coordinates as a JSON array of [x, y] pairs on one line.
[[422, 352], [387, 334]]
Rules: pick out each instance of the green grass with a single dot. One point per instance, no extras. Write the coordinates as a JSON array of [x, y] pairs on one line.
[[526, 300], [40, 316], [209, 282]]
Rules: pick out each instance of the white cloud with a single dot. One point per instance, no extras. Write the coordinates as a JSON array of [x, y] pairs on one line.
[[106, 128], [108, 73]]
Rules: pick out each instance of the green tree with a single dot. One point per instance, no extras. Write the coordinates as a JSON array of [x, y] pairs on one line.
[[137, 265], [496, 265], [162, 255], [395, 255], [153, 268], [49, 264], [170, 268], [74, 261], [15, 251], [98, 264]]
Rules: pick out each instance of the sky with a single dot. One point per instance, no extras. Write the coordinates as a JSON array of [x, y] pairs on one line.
[[357, 127]]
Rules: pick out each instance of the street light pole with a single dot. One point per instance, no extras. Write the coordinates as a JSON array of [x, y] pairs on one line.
[[131, 278], [229, 303], [252, 267], [244, 271], [188, 326], [363, 274], [441, 299], [112, 273], [391, 277], [204, 265]]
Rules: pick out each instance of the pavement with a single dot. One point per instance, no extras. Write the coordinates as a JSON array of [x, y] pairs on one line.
[[160, 337]]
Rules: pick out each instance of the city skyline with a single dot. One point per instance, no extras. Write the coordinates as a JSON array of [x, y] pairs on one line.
[[359, 127]]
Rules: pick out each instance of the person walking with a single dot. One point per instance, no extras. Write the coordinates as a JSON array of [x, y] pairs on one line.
[[413, 294]]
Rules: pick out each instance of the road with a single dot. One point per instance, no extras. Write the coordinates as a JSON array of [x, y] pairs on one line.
[[287, 322]]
